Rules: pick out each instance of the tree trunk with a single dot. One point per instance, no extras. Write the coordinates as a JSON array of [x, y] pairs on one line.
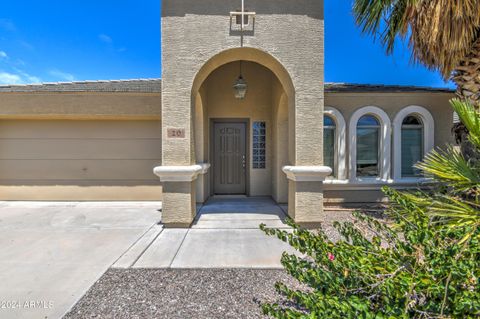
[[467, 75], [467, 78]]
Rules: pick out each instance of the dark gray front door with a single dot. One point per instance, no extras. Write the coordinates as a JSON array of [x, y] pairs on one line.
[[229, 153]]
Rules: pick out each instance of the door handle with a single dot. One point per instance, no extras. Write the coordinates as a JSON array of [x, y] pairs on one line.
[[244, 164]]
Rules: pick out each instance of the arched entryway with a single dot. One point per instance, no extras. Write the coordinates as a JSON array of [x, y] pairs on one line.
[[262, 125], [285, 165]]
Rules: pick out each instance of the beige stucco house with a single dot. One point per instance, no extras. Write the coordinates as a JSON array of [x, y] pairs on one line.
[[241, 109]]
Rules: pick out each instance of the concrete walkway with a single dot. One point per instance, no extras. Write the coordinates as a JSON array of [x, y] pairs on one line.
[[52, 253], [225, 234]]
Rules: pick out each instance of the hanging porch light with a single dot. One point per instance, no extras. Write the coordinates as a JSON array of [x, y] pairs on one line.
[[240, 86]]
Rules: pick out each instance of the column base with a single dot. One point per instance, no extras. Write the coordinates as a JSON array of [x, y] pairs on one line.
[[305, 194], [179, 200]]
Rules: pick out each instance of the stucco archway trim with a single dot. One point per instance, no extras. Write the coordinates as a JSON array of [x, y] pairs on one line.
[[428, 135], [340, 142], [244, 54], [385, 143]]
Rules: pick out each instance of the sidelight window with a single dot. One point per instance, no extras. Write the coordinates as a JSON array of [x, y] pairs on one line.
[[259, 145]]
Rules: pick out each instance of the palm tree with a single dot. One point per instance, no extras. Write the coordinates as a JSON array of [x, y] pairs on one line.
[[444, 35]]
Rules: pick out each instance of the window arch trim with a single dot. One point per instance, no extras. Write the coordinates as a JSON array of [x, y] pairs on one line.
[[385, 143], [428, 136], [340, 140]]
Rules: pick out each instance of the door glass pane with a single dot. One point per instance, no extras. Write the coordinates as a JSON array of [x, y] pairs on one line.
[[329, 147], [412, 150], [367, 151]]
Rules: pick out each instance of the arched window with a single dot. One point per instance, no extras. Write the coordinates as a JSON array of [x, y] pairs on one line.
[[412, 145], [413, 138], [329, 137], [368, 146]]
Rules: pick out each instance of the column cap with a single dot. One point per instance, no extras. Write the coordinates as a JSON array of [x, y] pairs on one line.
[[307, 173], [180, 173]]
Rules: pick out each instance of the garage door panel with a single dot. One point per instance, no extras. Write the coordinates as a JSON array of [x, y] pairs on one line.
[[80, 149], [77, 169], [78, 182], [79, 160], [88, 192], [79, 129]]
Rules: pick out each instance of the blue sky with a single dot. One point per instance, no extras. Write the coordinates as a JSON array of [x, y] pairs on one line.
[[58, 40]]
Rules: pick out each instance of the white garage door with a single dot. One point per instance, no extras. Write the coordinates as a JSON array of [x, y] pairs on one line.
[[79, 160]]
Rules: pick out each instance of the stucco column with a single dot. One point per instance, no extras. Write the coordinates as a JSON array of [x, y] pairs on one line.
[[178, 171], [305, 193], [179, 202]]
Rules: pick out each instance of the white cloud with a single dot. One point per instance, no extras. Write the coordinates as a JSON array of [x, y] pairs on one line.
[[17, 77], [9, 78], [105, 38], [3, 55], [33, 79], [27, 78], [62, 75]]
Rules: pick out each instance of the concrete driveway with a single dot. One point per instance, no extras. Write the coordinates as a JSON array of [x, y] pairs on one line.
[[51, 253]]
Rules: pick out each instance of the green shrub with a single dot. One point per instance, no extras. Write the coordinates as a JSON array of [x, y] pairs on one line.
[[424, 264], [418, 271]]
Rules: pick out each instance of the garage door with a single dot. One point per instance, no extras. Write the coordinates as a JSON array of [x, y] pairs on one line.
[[79, 160]]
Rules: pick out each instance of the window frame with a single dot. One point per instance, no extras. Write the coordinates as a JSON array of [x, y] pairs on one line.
[[339, 169], [428, 137], [385, 142], [334, 129]]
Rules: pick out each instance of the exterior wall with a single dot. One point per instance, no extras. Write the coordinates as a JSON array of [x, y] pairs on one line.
[[80, 105], [79, 160], [347, 103], [55, 146]]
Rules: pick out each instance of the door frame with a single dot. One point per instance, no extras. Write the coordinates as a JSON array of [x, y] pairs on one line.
[[211, 142]]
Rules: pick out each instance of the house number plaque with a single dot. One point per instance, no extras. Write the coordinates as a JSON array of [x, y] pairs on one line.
[[176, 132]]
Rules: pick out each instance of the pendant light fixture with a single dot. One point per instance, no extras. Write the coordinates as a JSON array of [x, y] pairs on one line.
[[240, 86]]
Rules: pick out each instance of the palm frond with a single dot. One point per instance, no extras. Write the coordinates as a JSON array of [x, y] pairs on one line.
[[441, 33], [470, 117], [444, 32], [385, 19], [449, 166], [456, 213]]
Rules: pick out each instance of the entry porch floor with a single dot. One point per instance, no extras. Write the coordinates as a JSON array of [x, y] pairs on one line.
[[225, 234]]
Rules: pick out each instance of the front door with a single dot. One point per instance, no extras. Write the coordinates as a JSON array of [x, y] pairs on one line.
[[229, 153]]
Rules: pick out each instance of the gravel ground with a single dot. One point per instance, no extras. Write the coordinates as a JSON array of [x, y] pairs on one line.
[[192, 293], [174, 293]]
